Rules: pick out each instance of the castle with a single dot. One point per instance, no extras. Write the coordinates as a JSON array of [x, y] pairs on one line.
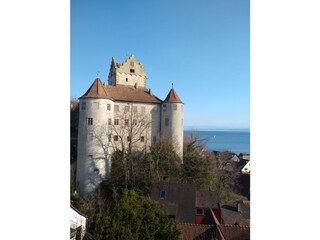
[[120, 114]]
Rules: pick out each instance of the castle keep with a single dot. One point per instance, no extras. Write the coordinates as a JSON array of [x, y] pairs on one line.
[[120, 115]]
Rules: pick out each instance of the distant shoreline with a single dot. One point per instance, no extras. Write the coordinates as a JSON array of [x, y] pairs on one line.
[[217, 130]]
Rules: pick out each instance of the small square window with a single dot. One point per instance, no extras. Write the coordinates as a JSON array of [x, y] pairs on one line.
[[116, 122], [143, 109], [200, 211], [128, 139], [126, 122], [109, 107], [126, 79], [109, 121], [134, 109], [174, 106], [116, 108], [162, 194], [142, 139], [115, 138], [164, 107], [126, 108], [132, 70], [90, 121]]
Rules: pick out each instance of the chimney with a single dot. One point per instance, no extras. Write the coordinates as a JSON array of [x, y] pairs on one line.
[[150, 91]]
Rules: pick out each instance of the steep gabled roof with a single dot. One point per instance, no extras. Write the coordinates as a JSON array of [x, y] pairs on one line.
[[131, 94], [172, 97], [96, 90]]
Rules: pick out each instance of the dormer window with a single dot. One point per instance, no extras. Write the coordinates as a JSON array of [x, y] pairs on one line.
[[131, 70]]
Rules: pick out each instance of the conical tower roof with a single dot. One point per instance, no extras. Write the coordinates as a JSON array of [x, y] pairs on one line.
[[96, 90], [172, 97]]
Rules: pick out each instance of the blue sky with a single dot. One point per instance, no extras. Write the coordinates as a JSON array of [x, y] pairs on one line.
[[202, 47]]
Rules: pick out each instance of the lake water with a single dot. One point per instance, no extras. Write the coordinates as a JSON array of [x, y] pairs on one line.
[[234, 141]]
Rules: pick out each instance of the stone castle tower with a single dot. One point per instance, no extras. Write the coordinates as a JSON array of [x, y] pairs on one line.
[[121, 113]]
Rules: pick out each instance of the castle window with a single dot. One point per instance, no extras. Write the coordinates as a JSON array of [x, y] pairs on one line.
[[109, 137], [128, 139], [134, 109], [174, 106], [143, 109], [126, 108], [109, 121], [164, 107], [126, 79], [116, 122], [132, 70], [166, 121], [115, 138], [108, 107], [126, 122], [90, 121], [83, 106], [162, 194], [132, 64], [142, 139], [116, 108]]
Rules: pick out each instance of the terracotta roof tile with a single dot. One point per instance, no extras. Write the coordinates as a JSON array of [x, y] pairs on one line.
[[131, 94], [235, 232], [96, 90], [196, 231], [173, 97]]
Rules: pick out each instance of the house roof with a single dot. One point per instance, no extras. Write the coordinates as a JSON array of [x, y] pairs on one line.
[[96, 90], [231, 216], [235, 232], [196, 231], [207, 199], [172, 97], [131, 94], [179, 200], [119, 93]]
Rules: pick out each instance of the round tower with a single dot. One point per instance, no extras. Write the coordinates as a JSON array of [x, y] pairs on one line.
[[94, 134], [172, 121]]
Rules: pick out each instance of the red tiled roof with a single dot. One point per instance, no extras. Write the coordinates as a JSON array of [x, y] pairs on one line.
[[96, 90], [131, 94], [173, 97], [235, 232], [196, 231]]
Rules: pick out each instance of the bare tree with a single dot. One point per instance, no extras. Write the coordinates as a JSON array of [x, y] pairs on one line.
[[129, 132]]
